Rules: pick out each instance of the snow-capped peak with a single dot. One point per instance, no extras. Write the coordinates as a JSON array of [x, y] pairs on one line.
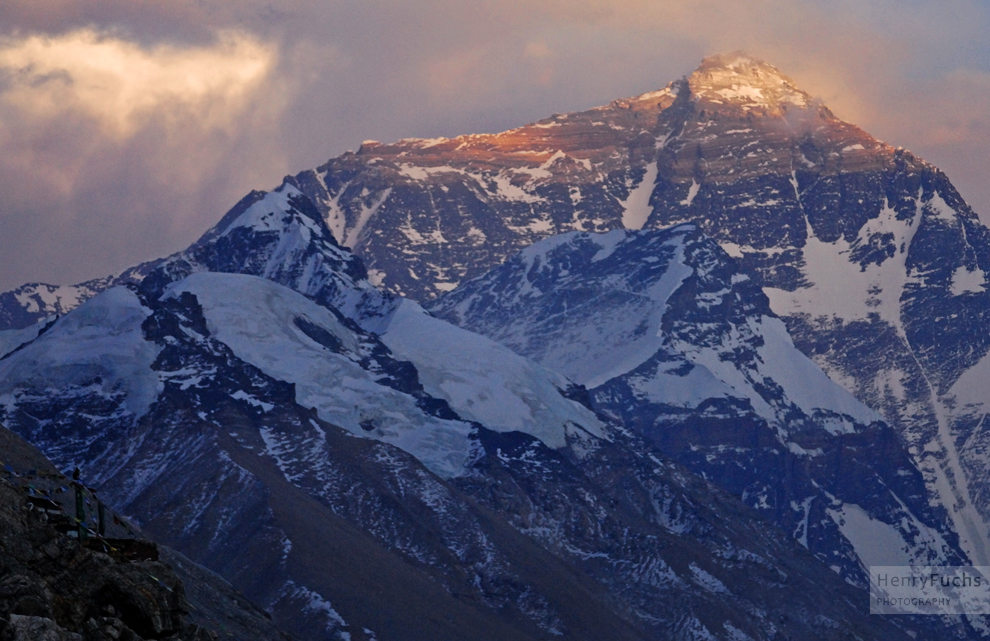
[[738, 79], [262, 211], [280, 236], [268, 213]]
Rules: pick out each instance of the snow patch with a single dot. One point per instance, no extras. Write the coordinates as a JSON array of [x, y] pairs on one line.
[[636, 208], [424, 143], [593, 353], [507, 191], [965, 281], [269, 213], [241, 395], [842, 287], [335, 218], [101, 339], [754, 94], [804, 383], [731, 249], [49, 298], [706, 580], [666, 386], [654, 95], [608, 242], [875, 542], [692, 192], [376, 277], [314, 602], [801, 532], [367, 211], [576, 196], [971, 391]]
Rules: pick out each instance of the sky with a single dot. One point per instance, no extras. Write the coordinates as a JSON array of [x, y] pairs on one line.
[[128, 127]]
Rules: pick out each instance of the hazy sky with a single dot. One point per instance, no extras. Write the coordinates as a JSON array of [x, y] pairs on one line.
[[128, 127]]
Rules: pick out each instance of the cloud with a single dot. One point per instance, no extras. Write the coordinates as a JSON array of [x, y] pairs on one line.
[[114, 152], [118, 83]]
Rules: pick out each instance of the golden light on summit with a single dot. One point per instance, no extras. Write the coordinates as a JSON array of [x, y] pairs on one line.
[[117, 82]]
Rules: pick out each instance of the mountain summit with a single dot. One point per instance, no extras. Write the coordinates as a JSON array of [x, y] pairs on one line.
[[745, 83], [856, 243], [477, 199]]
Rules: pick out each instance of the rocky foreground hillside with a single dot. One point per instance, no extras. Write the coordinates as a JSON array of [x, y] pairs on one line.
[[53, 588]]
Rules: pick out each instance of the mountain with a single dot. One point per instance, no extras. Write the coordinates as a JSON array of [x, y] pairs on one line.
[[348, 491], [259, 402], [295, 239], [674, 342], [868, 254], [33, 303], [427, 214], [347, 373], [326, 530]]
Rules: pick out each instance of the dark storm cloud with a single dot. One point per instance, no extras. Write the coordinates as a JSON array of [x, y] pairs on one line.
[[196, 102]]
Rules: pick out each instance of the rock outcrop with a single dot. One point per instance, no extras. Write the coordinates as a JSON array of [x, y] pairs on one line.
[[54, 587]]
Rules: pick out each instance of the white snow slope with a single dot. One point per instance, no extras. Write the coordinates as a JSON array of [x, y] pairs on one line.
[[99, 344], [484, 381], [256, 318], [592, 307]]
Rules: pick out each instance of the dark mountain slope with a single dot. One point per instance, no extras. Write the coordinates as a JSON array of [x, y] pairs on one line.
[[674, 342], [336, 534], [51, 587]]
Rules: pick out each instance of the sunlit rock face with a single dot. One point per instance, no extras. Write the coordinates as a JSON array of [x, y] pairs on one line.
[[426, 214], [742, 83], [741, 118]]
